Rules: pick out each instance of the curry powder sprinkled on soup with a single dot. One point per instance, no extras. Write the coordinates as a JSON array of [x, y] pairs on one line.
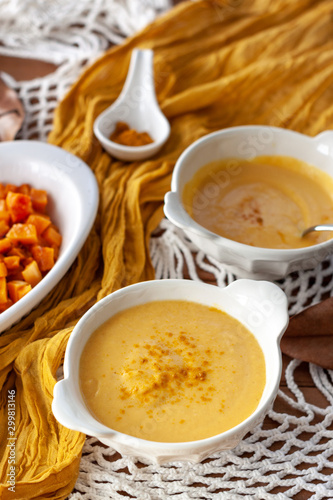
[[266, 202], [172, 371]]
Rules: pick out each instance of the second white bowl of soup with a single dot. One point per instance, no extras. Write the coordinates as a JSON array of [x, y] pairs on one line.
[[244, 195], [147, 365]]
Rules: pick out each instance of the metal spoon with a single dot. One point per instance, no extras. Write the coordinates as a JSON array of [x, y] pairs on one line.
[[319, 227]]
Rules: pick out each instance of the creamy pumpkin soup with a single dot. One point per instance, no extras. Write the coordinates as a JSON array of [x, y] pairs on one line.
[[172, 371], [266, 202]]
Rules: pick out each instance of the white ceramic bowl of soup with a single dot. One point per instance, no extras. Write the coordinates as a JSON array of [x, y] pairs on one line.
[[247, 143], [73, 198], [258, 305]]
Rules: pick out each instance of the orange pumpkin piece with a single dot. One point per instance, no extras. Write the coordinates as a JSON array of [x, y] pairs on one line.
[[4, 215], [39, 199], [44, 256], [15, 275], [52, 236], [4, 227], [41, 222], [27, 261], [3, 290], [41, 242], [19, 206], [20, 252], [5, 245], [2, 191], [10, 187], [12, 263], [17, 289], [55, 253], [3, 270], [31, 273], [23, 233], [3, 205], [5, 305], [24, 189]]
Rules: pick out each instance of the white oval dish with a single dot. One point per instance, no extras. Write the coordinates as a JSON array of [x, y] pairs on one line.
[[261, 306], [72, 204], [246, 142], [138, 107]]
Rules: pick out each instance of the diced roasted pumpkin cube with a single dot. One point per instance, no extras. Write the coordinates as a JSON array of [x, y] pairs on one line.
[[15, 275], [55, 253], [25, 262], [31, 273], [23, 233], [41, 222], [20, 252], [44, 256], [19, 206], [4, 215], [2, 191], [17, 289], [39, 199], [52, 236], [4, 227], [5, 245], [41, 241], [3, 270], [5, 305], [12, 262], [3, 290], [10, 187], [24, 189]]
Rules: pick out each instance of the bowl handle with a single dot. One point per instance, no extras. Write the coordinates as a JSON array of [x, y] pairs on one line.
[[70, 414], [265, 305], [173, 210], [326, 138]]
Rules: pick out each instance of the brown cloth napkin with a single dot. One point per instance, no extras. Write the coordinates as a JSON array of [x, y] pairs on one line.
[[309, 336], [11, 113]]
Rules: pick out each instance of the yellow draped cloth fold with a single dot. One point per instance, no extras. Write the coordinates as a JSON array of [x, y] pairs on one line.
[[217, 63]]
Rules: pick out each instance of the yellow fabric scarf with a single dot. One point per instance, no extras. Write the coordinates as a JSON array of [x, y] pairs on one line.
[[217, 64]]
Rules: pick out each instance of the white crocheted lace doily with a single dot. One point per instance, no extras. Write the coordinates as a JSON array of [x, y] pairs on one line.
[[294, 453]]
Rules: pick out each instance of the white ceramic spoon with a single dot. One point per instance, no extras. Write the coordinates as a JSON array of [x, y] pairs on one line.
[[138, 107]]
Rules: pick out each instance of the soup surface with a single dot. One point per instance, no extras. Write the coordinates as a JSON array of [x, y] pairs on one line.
[[172, 371], [266, 202]]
